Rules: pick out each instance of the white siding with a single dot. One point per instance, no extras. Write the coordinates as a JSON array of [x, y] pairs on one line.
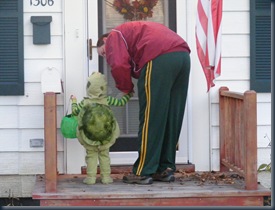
[[235, 75], [23, 116]]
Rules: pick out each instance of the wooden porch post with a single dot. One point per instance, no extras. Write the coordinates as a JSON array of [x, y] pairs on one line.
[[50, 134], [250, 139]]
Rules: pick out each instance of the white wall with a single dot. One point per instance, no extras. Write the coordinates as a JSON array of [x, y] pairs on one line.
[[24, 115], [236, 75]]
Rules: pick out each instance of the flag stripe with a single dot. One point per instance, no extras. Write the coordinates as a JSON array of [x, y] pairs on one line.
[[208, 38], [202, 17]]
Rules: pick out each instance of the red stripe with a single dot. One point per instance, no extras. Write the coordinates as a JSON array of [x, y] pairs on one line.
[[202, 17], [216, 10]]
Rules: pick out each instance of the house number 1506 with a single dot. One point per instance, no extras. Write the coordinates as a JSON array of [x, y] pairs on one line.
[[41, 2]]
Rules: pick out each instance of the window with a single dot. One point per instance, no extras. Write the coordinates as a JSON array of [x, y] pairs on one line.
[[11, 48], [260, 45]]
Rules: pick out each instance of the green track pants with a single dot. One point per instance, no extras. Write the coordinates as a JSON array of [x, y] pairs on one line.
[[162, 91]]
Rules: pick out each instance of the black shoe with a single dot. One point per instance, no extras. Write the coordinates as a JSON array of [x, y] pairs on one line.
[[134, 179], [165, 176]]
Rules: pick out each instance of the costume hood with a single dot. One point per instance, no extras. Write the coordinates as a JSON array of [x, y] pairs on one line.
[[96, 86]]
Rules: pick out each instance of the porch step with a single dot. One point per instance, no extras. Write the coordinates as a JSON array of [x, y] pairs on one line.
[[185, 191]]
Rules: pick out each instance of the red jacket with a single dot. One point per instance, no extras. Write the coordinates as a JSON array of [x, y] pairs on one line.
[[131, 45]]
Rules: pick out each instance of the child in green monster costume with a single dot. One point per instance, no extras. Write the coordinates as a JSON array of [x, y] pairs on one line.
[[97, 127]]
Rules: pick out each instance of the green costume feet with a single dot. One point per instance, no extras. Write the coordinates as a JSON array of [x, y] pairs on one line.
[[89, 180], [106, 180]]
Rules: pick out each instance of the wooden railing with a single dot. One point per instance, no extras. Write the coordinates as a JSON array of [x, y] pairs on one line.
[[238, 134]]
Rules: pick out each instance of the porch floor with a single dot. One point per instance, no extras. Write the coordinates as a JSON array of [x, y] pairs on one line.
[[189, 189]]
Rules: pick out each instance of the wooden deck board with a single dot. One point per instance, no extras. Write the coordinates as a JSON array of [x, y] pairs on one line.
[[183, 192]]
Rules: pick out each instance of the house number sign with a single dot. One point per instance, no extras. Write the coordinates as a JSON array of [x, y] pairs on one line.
[[42, 3]]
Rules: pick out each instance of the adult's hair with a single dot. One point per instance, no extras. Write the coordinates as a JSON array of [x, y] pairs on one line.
[[100, 41]]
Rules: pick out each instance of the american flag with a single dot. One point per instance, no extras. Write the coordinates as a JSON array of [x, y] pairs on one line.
[[208, 38]]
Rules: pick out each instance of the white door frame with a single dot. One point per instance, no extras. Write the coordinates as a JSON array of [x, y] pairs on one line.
[[75, 68]]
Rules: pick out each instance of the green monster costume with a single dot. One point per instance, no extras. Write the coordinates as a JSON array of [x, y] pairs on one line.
[[97, 127]]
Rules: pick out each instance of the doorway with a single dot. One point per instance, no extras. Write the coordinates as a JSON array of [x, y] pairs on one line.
[[101, 18]]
